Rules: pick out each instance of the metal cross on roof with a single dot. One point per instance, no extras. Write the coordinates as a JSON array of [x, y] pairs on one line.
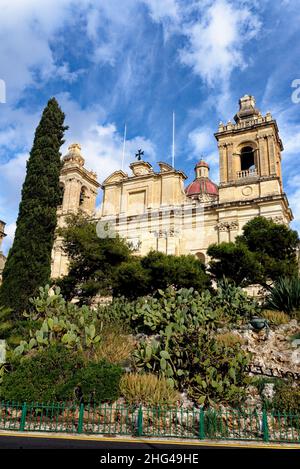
[[139, 154]]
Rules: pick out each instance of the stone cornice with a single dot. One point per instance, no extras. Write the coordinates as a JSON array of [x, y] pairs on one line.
[[152, 175], [257, 201], [248, 181], [82, 172], [247, 126]]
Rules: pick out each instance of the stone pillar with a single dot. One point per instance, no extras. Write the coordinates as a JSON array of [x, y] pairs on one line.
[[231, 176], [271, 151], [233, 228], [223, 162], [263, 156], [223, 232], [72, 194], [236, 164]]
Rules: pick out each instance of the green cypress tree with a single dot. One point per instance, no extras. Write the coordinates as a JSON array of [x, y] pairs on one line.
[[28, 264]]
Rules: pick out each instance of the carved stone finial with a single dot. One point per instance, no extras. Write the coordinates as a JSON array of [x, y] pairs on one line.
[[74, 155], [247, 108]]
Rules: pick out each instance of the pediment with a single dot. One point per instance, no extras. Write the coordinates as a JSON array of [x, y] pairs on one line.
[[164, 167], [140, 168], [117, 176]]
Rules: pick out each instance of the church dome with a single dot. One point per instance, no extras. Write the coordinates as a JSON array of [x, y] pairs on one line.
[[202, 187], [202, 164]]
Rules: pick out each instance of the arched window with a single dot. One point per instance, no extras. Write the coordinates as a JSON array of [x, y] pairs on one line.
[[201, 257], [82, 196], [247, 159]]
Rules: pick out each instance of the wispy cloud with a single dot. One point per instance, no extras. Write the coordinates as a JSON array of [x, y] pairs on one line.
[[216, 40], [135, 61]]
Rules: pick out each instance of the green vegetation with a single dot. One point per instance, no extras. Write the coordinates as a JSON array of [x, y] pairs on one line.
[[93, 260], [287, 399], [54, 374], [275, 318], [151, 314], [61, 323], [148, 389], [155, 271], [107, 266], [28, 263], [116, 345], [45, 376], [235, 262], [285, 296], [228, 339], [264, 252], [167, 326], [99, 382], [194, 360]]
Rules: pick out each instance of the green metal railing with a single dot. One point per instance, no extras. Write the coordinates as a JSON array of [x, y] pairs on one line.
[[119, 419]]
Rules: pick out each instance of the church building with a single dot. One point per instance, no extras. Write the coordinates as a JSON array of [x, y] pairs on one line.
[[155, 208]]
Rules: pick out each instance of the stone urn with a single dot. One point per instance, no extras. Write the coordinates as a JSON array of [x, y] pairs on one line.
[[258, 323]]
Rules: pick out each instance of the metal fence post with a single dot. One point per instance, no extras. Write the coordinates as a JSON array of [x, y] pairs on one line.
[[23, 417], [140, 422], [80, 419], [265, 428], [201, 425]]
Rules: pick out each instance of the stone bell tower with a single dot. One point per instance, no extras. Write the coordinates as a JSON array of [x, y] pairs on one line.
[[79, 188], [250, 153], [250, 163]]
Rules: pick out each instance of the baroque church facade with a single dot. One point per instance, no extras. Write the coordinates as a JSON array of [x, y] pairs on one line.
[[155, 209]]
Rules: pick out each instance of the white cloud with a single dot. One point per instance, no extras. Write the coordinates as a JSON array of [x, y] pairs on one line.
[[202, 145], [161, 10], [200, 140], [216, 40], [26, 31], [11, 179], [100, 141]]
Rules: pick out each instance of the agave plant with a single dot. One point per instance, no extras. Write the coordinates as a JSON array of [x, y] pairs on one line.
[[285, 296]]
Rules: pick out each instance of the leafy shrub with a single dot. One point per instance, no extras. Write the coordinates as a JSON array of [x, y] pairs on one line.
[[228, 339], [99, 382], [115, 345], [233, 303], [275, 318], [148, 389], [285, 296], [287, 399], [49, 375], [120, 310], [157, 270], [184, 307], [59, 322], [194, 359], [6, 324], [152, 314]]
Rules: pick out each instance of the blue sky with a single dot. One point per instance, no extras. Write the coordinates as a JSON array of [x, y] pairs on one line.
[[114, 61]]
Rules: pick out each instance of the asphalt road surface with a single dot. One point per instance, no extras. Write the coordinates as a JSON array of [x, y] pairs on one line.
[[26, 442], [39, 449]]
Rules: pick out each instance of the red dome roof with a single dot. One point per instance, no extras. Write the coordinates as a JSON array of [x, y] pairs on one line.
[[202, 163], [202, 186]]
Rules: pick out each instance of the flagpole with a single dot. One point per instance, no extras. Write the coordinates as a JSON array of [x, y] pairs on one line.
[[124, 144], [173, 142]]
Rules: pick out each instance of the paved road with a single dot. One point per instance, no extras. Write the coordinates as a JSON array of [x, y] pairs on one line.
[[26, 442], [16, 440], [48, 449]]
